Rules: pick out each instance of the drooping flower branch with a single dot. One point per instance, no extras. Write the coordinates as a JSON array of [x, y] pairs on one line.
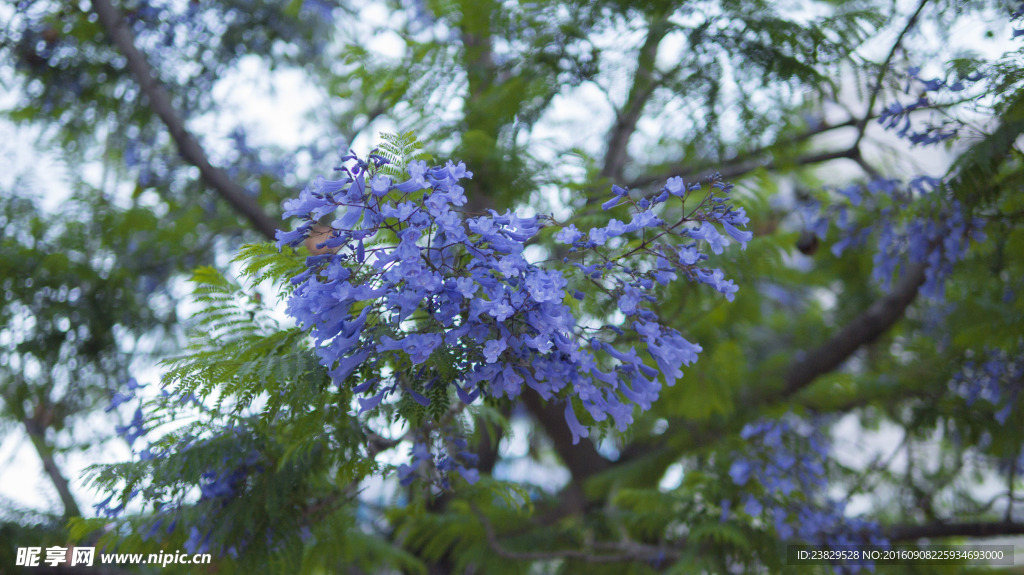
[[413, 293]]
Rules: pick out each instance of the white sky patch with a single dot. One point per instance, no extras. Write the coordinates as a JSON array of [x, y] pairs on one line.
[[19, 156], [672, 479], [856, 447], [273, 105], [577, 117], [516, 465]]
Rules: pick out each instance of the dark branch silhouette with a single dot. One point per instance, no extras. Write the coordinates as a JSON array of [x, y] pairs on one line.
[[37, 434], [862, 330], [866, 328], [581, 459], [161, 104]]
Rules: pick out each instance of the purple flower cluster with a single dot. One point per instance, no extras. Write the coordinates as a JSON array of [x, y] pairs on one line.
[[897, 113], [784, 476], [118, 398], [997, 379], [939, 242], [436, 466], [216, 486], [136, 427], [197, 542], [222, 483], [219, 485], [937, 237], [410, 282]]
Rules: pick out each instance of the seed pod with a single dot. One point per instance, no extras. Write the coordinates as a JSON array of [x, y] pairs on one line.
[[807, 243]]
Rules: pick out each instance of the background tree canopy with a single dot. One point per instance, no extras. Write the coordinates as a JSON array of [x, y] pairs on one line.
[[863, 385]]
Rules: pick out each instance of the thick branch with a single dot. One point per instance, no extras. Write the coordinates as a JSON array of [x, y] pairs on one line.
[[160, 102], [578, 458], [863, 330], [490, 439], [748, 162], [37, 433], [485, 111], [644, 84], [942, 530], [582, 459]]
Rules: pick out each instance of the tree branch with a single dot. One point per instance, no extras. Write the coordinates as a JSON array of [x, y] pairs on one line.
[[487, 448], [943, 530], [582, 459], [735, 170], [188, 146], [37, 433], [863, 330], [863, 124], [643, 86], [749, 161]]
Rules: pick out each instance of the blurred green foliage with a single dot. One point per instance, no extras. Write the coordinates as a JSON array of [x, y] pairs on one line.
[[90, 289]]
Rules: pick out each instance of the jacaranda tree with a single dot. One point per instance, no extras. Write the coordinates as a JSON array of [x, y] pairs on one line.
[[485, 343]]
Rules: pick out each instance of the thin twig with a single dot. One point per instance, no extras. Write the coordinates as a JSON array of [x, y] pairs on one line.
[[735, 170], [877, 465], [883, 69]]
